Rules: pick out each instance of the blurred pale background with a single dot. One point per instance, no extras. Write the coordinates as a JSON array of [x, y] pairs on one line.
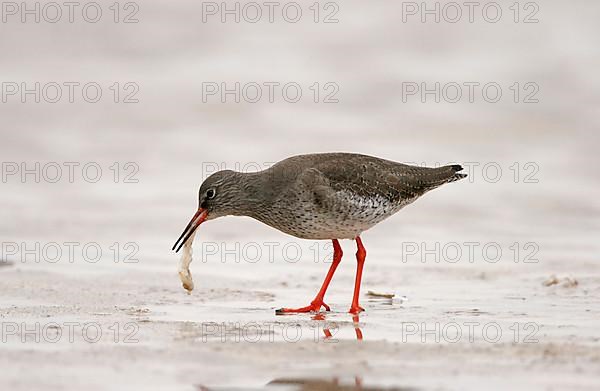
[[171, 134]]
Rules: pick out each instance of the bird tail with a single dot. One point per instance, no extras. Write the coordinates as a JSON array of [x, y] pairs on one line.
[[439, 176], [456, 174]]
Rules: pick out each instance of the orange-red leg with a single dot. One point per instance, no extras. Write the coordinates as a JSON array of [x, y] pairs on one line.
[[361, 254], [356, 322], [317, 303]]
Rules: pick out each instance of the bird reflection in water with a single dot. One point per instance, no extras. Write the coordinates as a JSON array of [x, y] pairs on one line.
[[327, 329], [330, 329], [307, 384], [328, 384]]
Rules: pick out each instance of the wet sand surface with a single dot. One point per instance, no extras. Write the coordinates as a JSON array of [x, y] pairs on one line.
[[464, 315], [226, 335]]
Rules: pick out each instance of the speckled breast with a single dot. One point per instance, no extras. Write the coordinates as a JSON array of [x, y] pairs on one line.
[[344, 216]]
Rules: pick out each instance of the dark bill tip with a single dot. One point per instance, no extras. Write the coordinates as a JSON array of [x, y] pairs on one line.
[[198, 218]]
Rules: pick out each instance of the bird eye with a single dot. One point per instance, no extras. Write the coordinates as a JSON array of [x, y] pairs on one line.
[[210, 194]]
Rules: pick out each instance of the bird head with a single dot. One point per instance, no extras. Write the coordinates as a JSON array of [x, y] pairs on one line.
[[218, 196]]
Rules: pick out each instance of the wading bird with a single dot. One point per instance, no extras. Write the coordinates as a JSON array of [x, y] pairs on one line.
[[327, 196]]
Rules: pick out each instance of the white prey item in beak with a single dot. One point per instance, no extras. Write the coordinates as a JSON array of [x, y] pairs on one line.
[[184, 265]]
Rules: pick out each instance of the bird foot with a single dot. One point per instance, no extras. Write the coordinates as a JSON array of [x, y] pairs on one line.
[[355, 309], [315, 306]]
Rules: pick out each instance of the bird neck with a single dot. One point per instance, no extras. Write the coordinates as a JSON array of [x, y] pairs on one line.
[[256, 194]]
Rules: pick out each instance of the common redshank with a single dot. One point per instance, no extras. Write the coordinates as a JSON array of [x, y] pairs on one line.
[[328, 196]]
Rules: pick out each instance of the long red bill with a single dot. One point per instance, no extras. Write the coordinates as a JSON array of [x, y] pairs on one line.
[[198, 218]]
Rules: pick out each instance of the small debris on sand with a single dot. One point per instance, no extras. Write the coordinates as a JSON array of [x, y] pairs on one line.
[[567, 282], [550, 281], [386, 295]]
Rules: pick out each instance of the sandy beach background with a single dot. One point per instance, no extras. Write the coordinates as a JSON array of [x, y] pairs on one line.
[[496, 278]]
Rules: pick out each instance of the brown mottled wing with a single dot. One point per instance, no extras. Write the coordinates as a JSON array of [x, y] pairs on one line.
[[321, 177], [312, 180], [367, 176]]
